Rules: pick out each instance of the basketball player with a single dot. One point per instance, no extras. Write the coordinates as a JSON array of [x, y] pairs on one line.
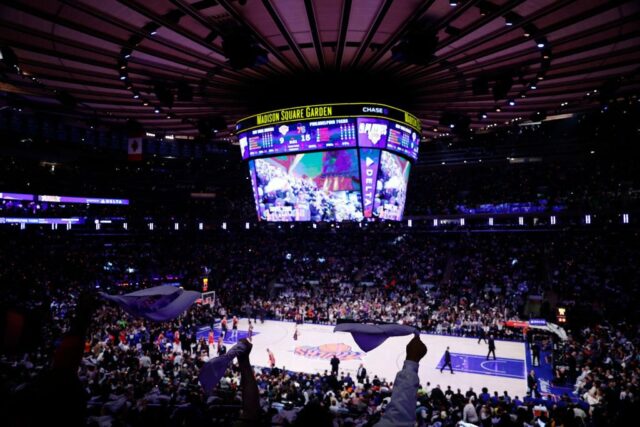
[[211, 342], [234, 328], [272, 359], [223, 326], [250, 333]]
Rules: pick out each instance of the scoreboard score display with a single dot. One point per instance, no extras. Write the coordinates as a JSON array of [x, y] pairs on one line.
[[333, 162]]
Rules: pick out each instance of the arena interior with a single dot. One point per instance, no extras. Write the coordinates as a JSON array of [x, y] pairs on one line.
[[338, 213]]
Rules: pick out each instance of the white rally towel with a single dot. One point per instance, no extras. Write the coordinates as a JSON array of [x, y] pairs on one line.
[[160, 303]]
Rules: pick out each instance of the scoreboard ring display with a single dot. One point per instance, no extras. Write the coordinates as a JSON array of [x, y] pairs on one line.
[[330, 162]]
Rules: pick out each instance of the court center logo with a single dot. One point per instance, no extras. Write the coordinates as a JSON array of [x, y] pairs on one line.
[[326, 351]]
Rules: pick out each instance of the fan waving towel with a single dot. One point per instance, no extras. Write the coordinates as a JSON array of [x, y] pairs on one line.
[[369, 337], [160, 303], [214, 369]]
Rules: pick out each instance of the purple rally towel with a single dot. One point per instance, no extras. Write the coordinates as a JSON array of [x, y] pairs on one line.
[[160, 303], [369, 337], [215, 368]]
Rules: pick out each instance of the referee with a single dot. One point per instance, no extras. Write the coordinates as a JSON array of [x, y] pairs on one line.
[[447, 361]]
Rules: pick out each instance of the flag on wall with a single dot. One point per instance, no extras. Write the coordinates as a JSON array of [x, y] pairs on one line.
[[135, 148]]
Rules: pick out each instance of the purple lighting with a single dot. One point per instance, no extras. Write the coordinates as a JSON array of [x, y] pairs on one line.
[[83, 200], [16, 196]]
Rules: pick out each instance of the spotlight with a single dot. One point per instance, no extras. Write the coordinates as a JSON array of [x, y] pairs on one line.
[[529, 30], [151, 28], [453, 3], [486, 7], [512, 102], [541, 43], [511, 18], [8, 56], [126, 53], [156, 110], [534, 87], [538, 116]]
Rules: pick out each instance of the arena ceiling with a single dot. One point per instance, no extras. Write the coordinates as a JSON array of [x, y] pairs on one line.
[[166, 63]]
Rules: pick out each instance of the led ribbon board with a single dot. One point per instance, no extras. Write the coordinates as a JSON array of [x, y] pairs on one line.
[[326, 111]]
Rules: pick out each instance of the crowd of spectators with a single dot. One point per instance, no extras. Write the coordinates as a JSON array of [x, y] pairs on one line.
[[162, 188], [591, 183], [133, 373]]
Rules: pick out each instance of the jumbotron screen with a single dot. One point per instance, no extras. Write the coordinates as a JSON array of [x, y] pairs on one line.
[[337, 162]]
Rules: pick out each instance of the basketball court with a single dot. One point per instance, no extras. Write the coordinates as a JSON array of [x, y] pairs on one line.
[[316, 344]]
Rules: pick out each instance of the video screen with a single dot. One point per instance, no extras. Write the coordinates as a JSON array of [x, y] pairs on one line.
[[296, 137], [318, 186], [334, 162], [372, 132], [403, 140], [391, 186]]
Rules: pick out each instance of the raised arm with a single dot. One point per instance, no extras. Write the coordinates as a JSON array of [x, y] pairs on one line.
[[401, 411], [249, 387]]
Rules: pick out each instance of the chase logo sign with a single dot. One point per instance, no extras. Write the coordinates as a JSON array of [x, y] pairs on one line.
[[377, 110], [327, 351]]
